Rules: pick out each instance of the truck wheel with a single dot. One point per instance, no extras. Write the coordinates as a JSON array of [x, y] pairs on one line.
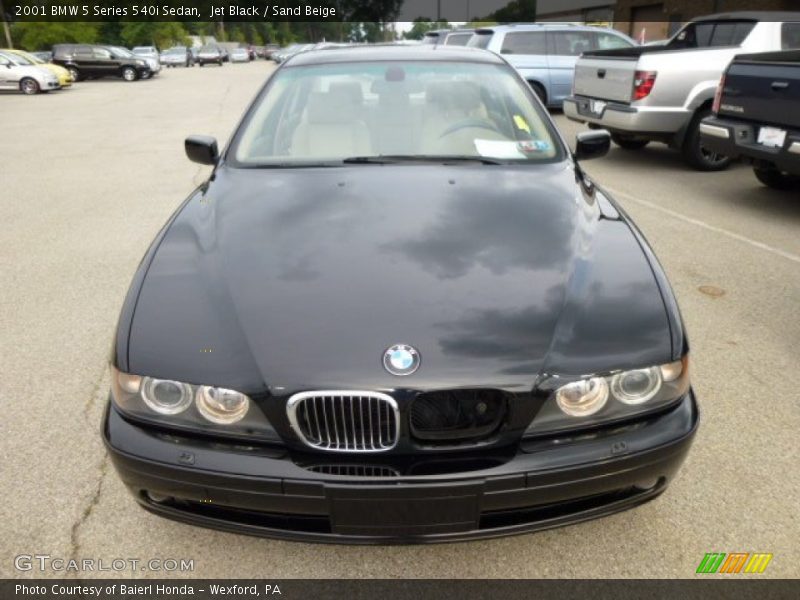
[[539, 91], [776, 179], [29, 86], [628, 143], [697, 155]]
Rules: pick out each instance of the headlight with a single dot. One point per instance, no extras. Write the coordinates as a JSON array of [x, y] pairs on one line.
[[583, 398], [141, 63], [603, 399], [222, 406], [166, 397], [182, 405]]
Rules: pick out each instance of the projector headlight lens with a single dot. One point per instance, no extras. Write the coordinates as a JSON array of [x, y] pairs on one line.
[[221, 406], [637, 386], [601, 399], [583, 398], [165, 396]]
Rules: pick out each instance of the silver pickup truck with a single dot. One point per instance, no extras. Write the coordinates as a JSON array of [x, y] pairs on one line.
[[661, 93]]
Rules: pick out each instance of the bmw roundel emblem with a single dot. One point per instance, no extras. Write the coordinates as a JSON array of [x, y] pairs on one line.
[[401, 359]]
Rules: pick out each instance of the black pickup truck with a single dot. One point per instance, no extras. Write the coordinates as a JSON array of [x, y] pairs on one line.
[[757, 116]]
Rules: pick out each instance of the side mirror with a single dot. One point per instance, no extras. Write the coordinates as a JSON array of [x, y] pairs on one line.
[[202, 149], [592, 144]]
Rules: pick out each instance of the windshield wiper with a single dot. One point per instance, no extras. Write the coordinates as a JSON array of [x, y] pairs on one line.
[[389, 159]]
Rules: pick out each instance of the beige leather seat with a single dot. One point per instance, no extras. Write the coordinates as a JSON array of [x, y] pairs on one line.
[[332, 126]]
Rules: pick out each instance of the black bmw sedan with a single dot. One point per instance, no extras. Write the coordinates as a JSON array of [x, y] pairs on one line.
[[398, 311]]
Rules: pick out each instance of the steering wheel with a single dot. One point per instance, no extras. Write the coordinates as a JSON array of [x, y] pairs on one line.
[[475, 123]]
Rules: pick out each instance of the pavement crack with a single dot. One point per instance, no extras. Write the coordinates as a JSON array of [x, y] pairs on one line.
[[74, 546]]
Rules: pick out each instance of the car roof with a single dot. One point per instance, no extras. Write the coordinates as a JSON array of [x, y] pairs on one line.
[[388, 52], [541, 27], [751, 15]]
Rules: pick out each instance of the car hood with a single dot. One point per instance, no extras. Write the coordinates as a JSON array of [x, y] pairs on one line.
[[301, 278]]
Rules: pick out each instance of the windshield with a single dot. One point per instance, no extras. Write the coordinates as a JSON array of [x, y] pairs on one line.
[[18, 60], [35, 60], [333, 112], [208, 49]]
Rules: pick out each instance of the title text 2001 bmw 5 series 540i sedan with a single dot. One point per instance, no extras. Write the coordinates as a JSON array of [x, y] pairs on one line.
[[398, 311]]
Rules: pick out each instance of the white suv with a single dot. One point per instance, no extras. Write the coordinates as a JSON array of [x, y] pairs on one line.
[[28, 79]]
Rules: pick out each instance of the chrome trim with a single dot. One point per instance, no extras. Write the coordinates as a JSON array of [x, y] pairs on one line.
[[715, 131], [794, 148], [330, 441]]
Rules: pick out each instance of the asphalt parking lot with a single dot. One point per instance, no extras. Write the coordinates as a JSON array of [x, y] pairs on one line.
[[89, 175]]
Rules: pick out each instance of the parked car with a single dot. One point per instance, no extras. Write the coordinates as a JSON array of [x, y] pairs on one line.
[[662, 93], [438, 327], [64, 78], [19, 74], [270, 49], [757, 115], [179, 56], [240, 55], [85, 61], [210, 54], [151, 55], [545, 53], [448, 37], [286, 53]]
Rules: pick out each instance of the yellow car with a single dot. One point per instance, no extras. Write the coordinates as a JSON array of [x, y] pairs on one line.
[[64, 78]]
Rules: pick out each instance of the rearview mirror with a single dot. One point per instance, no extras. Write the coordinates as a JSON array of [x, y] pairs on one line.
[[592, 144], [202, 149]]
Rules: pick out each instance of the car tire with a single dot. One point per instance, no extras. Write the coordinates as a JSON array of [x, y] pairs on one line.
[[29, 86], [220, 63], [539, 91], [74, 73], [695, 154], [129, 74], [775, 179], [201, 63], [629, 143]]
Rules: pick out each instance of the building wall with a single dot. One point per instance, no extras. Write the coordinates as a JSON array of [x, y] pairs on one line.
[[658, 19]]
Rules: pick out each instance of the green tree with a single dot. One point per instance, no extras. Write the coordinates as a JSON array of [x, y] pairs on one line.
[[42, 35], [422, 26], [518, 10], [162, 34]]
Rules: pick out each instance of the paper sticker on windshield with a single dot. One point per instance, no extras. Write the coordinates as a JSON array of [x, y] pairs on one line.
[[499, 149], [521, 123], [533, 146]]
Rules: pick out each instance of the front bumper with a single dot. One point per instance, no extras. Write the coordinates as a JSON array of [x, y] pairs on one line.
[[624, 118], [739, 139], [262, 491]]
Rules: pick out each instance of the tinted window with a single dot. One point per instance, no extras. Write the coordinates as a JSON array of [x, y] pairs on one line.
[[102, 53], [730, 34], [480, 40], [458, 39], [570, 43], [524, 42], [790, 36], [83, 51], [707, 35], [607, 41]]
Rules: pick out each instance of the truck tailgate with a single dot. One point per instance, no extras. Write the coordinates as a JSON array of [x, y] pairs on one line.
[[606, 78], [763, 88]]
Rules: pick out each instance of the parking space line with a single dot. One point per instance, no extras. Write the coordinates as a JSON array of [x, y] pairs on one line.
[[707, 226]]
